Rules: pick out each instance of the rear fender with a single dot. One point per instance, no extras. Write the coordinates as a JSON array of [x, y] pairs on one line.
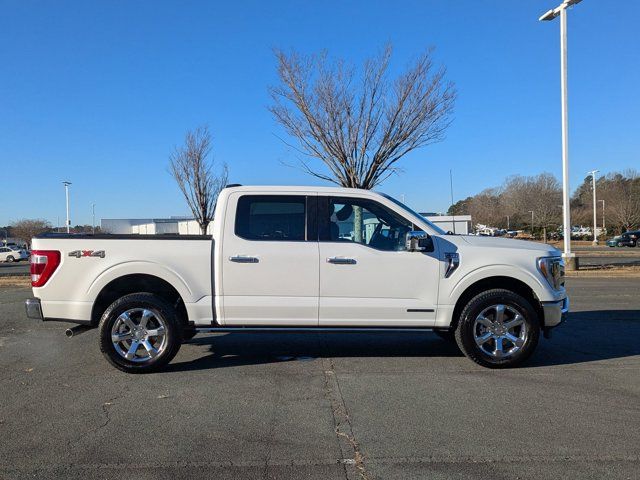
[[141, 268]]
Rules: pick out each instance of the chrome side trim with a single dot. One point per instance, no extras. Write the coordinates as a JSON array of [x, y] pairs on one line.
[[453, 262]]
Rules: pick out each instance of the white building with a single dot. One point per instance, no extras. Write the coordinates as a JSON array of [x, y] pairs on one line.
[[151, 226], [460, 224]]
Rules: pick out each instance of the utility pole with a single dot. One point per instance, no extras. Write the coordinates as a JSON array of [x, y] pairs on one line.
[[453, 217], [561, 11], [508, 224], [595, 203], [93, 216], [531, 212], [66, 191]]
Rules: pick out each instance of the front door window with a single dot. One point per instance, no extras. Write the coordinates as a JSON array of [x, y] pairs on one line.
[[365, 222]]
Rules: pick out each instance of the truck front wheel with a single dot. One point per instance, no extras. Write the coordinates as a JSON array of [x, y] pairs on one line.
[[498, 328], [140, 333]]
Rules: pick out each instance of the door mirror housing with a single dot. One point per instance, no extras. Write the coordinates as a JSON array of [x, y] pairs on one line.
[[418, 241]]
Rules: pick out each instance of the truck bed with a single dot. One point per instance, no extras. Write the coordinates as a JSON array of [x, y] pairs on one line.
[[88, 263]]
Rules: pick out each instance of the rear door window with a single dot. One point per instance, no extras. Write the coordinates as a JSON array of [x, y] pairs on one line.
[[271, 217]]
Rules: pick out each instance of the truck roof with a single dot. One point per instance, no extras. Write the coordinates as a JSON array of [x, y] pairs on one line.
[[297, 188]]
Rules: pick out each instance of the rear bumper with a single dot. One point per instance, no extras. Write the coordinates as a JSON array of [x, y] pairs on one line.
[[34, 309], [555, 312]]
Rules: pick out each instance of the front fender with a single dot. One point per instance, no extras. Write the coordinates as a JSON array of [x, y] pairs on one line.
[[532, 280]]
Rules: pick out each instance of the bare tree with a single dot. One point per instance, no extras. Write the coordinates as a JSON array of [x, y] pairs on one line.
[[540, 194], [359, 126], [486, 207], [192, 166], [621, 192], [26, 229]]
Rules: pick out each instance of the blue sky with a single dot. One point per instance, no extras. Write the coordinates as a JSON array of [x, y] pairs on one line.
[[100, 92]]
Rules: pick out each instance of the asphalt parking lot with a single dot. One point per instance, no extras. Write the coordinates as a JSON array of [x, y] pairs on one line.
[[374, 406]]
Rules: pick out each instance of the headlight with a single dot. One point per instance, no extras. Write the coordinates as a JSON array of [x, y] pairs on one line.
[[552, 268]]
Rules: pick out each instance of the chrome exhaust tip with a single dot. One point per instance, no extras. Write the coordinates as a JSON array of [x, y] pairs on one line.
[[77, 330]]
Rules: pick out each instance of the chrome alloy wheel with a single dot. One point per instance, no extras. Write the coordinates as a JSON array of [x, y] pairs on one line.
[[139, 334], [500, 331]]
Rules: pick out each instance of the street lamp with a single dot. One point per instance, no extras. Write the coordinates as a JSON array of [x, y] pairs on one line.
[[561, 10], [66, 191], [595, 203], [603, 225]]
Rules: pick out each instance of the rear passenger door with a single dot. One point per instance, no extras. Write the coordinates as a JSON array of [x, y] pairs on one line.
[[270, 270]]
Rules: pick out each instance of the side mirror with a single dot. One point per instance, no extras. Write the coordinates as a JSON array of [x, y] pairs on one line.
[[419, 242]]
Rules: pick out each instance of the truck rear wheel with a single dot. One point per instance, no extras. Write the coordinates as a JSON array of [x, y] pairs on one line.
[[498, 329], [140, 333]]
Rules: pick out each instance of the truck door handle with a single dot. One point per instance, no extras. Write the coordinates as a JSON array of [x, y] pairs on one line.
[[342, 260], [243, 259]]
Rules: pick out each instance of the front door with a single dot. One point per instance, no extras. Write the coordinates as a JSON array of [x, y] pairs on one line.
[[367, 277], [270, 262]]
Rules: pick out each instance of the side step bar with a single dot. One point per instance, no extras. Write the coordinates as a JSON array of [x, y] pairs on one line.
[[314, 329]]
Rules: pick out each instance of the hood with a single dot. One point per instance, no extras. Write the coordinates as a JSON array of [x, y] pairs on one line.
[[497, 242]]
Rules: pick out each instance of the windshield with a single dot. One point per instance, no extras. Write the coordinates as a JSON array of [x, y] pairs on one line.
[[414, 213]]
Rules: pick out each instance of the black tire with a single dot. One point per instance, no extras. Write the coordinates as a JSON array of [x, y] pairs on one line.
[[172, 332], [465, 331], [10, 259], [446, 335]]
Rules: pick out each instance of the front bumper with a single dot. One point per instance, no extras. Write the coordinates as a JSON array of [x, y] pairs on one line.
[[34, 309], [555, 312]]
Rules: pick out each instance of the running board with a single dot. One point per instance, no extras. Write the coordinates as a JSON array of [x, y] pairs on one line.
[[315, 329]]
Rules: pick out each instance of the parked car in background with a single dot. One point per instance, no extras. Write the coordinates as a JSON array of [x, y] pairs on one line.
[[627, 239], [8, 254], [22, 249]]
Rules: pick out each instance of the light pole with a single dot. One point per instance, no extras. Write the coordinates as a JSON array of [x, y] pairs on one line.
[[561, 10], [93, 216], [66, 191], [603, 225], [595, 203]]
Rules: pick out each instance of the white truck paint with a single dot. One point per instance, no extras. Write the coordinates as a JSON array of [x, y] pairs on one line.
[[299, 264]]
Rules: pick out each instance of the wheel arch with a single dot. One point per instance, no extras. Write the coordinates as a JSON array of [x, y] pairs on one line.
[[134, 283], [492, 282]]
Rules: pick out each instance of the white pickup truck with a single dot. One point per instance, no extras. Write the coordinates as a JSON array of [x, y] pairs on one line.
[[300, 258]]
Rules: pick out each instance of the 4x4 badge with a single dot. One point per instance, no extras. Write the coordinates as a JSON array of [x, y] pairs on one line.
[[87, 253]]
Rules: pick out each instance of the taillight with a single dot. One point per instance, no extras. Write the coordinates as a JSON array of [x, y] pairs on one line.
[[43, 264]]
